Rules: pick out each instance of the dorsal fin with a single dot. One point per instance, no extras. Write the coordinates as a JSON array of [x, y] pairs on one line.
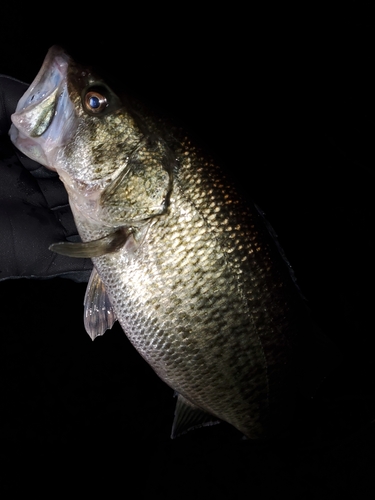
[[187, 417], [98, 313]]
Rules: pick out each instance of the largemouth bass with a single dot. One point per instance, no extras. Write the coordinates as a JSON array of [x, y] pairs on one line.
[[193, 274]]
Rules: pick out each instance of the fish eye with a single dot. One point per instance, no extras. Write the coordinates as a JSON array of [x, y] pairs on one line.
[[95, 101]]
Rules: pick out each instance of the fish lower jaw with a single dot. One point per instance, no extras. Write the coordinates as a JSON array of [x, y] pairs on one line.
[[30, 147]]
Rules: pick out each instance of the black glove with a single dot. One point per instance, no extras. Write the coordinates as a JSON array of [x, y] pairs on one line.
[[34, 208]]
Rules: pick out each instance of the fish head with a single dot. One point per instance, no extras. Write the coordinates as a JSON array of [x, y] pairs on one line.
[[71, 121]]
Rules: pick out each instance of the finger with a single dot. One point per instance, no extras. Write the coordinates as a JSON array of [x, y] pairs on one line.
[[27, 232]]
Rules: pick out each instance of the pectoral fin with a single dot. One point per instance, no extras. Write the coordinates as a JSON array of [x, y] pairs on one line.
[[108, 244], [98, 313], [187, 417]]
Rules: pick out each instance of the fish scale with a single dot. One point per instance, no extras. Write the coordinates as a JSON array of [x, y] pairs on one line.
[[193, 274]]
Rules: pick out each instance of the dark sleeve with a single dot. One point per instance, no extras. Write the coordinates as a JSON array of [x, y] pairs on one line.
[[34, 208]]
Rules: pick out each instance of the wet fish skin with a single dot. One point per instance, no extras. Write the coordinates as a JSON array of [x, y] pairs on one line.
[[197, 281]]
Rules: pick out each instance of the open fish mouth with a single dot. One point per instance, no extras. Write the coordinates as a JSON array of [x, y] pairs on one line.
[[41, 112]]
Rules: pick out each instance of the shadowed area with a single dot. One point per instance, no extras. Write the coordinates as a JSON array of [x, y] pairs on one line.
[[297, 136]]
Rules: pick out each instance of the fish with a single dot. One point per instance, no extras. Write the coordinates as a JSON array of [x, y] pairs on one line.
[[191, 270]]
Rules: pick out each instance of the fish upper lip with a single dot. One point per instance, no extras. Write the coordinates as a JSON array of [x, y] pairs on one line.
[[50, 75]]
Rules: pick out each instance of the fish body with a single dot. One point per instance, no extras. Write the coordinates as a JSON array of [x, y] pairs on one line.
[[192, 273]]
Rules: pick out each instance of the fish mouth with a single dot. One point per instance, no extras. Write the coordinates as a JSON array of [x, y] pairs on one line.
[[35, 123]]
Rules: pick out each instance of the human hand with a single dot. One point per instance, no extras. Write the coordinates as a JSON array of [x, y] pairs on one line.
[[34, 208]]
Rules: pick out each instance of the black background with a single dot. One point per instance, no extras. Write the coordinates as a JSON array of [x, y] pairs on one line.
[[286, 105]]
